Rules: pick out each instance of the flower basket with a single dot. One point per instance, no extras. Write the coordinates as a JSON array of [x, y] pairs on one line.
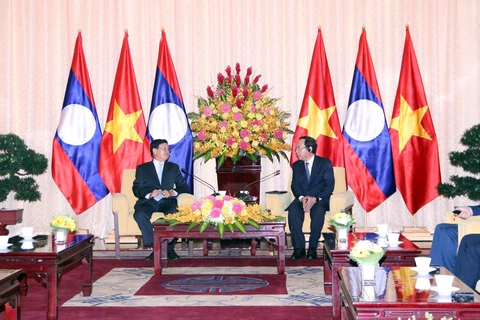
[[239, 119], [223, 212]]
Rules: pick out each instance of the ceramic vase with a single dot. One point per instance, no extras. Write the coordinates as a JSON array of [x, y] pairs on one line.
[[60, 235]]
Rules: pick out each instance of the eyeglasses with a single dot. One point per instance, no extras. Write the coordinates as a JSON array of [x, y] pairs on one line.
[[300, 147]]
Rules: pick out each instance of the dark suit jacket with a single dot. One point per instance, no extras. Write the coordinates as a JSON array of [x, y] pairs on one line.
[[146, 180], [475, 210], [322, 180]]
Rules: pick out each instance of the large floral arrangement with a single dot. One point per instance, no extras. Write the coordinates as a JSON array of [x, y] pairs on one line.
[[341, 220], [237, 119], [366, 252], [63, 222], [224, 212]]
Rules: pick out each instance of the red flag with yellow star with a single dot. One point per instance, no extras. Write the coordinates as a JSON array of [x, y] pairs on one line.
[[318, 116], [414, 142], [124, 144]]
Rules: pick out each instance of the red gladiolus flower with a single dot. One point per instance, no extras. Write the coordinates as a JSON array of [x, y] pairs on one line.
[[238, 81], [228, 71], [220, 78], [246, 81], [243, 145], [234, 91], [239, 103], [256, 79], [237, 68], [209, 92], [245, 92], [249, 71], [264, 88]]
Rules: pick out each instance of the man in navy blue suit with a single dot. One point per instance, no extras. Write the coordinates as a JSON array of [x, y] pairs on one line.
[[467, 267], [312, 185], [445, 239], [157, 184]]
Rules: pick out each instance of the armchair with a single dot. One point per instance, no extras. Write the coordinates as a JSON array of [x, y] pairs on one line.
[[471, 225], [123, 208], [341, 200]]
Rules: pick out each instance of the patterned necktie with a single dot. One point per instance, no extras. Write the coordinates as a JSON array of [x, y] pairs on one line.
[[308, 171]]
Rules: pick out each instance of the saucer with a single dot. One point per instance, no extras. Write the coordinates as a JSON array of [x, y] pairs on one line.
[[423, 271], [3, 248], [394, 244], [28, 237], [444, 291]]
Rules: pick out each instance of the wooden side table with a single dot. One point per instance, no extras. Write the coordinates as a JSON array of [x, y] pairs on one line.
[[10, 292]]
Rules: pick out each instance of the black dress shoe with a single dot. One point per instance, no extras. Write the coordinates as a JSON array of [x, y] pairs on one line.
[[172, 255], [312, 253], [150, 257], [298, 254]]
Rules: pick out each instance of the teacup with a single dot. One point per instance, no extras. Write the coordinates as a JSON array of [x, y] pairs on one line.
[[382, 242], [393, 237], [444, 283], [3, 241], [27, 232], [422, 263], [382, 228]]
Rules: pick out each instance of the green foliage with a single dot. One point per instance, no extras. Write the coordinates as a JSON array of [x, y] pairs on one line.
[[469, 160], [18, 165]]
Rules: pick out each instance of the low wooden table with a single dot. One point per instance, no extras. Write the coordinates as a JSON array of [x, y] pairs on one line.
[[333, 258], [47, 260], [394, 295], [274, 231], [10, 292]]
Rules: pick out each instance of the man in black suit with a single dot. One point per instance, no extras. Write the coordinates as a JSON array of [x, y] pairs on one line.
[[155, 195], [312, 186]]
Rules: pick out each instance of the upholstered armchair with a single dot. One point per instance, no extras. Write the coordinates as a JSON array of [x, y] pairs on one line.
[[341, 200], [122, 207], [471, 225]]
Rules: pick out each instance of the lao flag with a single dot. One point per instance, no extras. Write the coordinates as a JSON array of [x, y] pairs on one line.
[[76, 144], [414, 141], [168, 119], [368, 154], [318, 116]]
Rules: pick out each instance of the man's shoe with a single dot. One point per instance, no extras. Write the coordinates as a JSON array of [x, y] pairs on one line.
[[172, 255], [312, 253], [298, 254], [150, 257]]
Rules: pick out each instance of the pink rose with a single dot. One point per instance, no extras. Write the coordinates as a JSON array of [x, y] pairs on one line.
[[264, 88], [237, 116], [225, 108], [237, 207], [228, 71], [218, 203], [220, 78], [210, 197], [256, 79], [243, 145], [257, 123], [253, 108], [207, 111], [201, 135], [215, 213], [230, 142], [256, 95], [244, 133], [239, 103], [278, 134], [237, 68], [235, 91], [209, 92], [228, 198], [263, 138], [224, 124], [196, 205], [238, 81]]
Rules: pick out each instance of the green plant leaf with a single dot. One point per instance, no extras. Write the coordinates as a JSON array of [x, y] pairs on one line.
[[254, 224], [221, 229], [231, 227], [192, 225], [240, 226], [204, 226]]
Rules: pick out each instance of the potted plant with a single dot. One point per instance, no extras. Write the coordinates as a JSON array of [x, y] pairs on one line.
[[18, 166]]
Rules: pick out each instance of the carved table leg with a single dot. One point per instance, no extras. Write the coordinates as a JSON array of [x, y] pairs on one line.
[[52, 292], [87, 275]]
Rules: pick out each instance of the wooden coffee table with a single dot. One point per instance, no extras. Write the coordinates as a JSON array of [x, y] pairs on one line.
[[47, 260], [274, 231], [333, 258], [10, 293], [395, 295]]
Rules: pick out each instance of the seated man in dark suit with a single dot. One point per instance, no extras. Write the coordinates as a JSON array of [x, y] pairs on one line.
[[445, 239], [467, 267], [312, 185], [157, 184]]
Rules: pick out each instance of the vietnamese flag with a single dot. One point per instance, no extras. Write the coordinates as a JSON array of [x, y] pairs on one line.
[[124, 144], [318, 116], [414, 142]]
